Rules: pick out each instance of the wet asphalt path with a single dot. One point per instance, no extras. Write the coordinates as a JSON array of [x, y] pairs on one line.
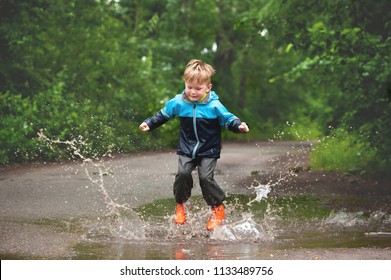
[[34, 193]]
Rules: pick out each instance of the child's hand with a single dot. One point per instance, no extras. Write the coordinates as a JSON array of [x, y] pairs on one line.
[[243, 127], [144, 127]]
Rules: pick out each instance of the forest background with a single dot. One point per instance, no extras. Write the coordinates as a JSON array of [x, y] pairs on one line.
[[91, 71]]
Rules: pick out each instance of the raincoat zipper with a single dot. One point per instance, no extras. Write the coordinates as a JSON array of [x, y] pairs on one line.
[[195, 131]]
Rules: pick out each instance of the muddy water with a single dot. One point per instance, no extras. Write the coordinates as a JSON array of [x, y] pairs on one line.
[[122, 208], [250, 232]]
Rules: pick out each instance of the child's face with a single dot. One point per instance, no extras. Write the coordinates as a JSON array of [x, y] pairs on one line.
[[196, 90]]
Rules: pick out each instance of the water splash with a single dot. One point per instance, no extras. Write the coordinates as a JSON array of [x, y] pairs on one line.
[[261, 191], [375, 220], [120, 221], [345, 219], [244, 229], [115, 228], [75, 146]]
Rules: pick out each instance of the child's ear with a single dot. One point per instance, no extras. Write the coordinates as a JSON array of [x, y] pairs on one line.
[[209, 87]]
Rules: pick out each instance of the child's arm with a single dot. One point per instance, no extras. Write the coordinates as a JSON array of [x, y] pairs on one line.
[[153, 122], [161, 117], [229, 120]]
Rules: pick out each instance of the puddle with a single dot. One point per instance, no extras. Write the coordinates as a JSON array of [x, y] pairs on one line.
[[249, 232]]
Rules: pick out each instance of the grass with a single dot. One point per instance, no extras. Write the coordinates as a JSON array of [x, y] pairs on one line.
[[298, 207], [344, 152]]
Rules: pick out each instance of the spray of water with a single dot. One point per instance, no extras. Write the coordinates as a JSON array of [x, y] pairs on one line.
[[121, 222], [243, 230], [75, 145], [246, 228], [243, 224], [261, 191], [117, 222]]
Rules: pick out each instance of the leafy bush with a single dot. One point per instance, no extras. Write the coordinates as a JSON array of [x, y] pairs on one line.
[[98, 129], [346, 152]]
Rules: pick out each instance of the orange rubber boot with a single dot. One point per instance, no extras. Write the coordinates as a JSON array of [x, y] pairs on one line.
[[217, 217], [180, 214]]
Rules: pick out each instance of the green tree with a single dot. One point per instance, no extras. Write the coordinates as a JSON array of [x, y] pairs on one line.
[[291, 69], [347, 57]]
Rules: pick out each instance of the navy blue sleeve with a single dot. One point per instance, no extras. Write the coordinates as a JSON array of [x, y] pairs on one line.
[[234, 125], [156, 120], [164, 115]]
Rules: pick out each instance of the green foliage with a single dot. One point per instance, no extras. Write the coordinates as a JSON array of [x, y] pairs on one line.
[[347, 152], [93, 70], [100, 129], [345, 65], [79, 77]]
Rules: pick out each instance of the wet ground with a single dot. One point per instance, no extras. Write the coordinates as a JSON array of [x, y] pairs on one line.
[[121, 207]]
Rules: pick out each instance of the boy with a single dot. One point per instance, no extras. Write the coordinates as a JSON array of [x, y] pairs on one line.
[[201, 118]]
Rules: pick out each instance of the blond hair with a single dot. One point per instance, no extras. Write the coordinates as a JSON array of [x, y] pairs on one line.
[[199, 71]]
